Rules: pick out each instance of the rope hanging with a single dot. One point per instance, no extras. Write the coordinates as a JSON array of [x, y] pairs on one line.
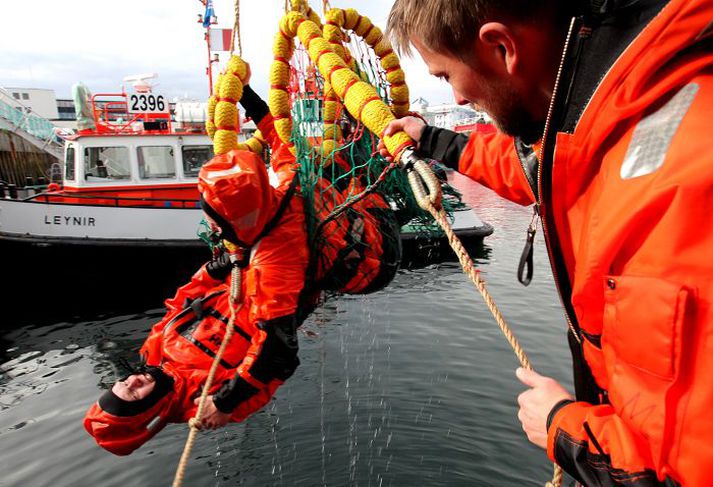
[[364, 104], [236, 31], [235, 286], [361, 101]]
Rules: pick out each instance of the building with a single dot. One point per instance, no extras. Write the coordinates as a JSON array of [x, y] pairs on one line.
[[65, 109], [449, 116], [42, 102]]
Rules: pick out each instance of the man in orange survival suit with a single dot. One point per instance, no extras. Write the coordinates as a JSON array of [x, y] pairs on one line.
[[622, 181], [268, 225]]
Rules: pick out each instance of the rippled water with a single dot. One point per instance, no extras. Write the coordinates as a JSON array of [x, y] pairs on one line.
[[413, 385]]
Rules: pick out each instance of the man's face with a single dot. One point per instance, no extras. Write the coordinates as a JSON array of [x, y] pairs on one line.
[[484, 85], [134, 387]]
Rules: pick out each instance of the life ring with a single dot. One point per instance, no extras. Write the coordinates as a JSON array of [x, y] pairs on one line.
[[53, 187]]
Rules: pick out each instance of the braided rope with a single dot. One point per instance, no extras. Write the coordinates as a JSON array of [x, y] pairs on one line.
[[235, 285], [236, 31], [474, 275], [223, 121]]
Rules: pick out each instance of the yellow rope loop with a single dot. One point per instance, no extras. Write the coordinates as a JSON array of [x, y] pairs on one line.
[[278, 98], [360, 98], [235, 286], [223, 122], [371, 34]]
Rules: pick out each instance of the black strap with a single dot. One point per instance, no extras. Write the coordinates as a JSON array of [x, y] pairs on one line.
[[526, 257], [280, 210], [526, 260]]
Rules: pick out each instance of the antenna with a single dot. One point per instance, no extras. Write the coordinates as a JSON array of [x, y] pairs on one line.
[[140, 82]]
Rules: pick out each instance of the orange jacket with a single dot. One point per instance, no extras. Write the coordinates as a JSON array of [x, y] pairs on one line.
[[627, 205], [187, 339], [277, 290]]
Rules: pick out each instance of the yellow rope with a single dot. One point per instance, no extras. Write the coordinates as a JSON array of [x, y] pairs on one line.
[[223, 124], [235, 285]]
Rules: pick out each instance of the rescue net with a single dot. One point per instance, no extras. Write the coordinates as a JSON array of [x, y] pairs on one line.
[[339, 166], [342, 175], [355, 203]]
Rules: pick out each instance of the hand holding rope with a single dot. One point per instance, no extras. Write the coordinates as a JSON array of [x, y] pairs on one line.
[[362, 101]]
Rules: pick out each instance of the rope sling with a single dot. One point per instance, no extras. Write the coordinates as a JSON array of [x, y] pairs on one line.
[[361, 100]]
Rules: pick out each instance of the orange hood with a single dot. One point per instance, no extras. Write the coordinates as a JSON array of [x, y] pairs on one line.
[[236, 194]]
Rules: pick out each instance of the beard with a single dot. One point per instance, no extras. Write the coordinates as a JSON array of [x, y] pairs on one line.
[[508, 110]]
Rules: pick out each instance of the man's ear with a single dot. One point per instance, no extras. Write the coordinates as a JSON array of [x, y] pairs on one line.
[[501, 43]]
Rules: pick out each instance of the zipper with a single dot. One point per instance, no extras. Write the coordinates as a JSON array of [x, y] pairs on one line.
[[543, 214]]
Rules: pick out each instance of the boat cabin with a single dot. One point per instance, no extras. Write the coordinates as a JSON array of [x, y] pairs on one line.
[[101, 161]]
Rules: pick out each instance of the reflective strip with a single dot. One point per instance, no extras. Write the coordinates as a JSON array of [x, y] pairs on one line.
[[654, 133]]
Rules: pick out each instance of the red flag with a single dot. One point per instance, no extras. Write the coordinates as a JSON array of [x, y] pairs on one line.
[[220, 39]]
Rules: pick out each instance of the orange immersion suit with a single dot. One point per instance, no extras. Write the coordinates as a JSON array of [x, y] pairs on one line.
[[626, 199], [281, 278]]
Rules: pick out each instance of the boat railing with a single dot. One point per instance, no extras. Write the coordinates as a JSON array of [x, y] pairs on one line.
[[111, 115], [55, 197]]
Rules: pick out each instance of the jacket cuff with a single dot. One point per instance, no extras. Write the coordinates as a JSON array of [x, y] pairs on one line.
[[254, 106], [553, 420], [442, 145], [232, 394]]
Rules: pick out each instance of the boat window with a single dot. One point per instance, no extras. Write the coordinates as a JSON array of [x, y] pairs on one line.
[[156, 162], [106, 163], [194, 156], [69, 164]]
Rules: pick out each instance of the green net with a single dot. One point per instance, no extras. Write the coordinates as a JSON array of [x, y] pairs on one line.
[[355, 164]]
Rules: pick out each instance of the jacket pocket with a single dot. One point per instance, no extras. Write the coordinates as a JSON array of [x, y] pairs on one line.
[[643, 327], [643, 323]]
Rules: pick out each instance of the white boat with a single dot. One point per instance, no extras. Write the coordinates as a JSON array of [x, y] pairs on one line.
[[123, 225]]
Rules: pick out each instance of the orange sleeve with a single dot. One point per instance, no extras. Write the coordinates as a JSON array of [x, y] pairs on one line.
[[199, 284], [492, 160], [272, 287], [596, 447]]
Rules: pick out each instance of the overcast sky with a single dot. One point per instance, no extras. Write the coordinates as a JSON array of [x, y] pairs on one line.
[[53, 44]]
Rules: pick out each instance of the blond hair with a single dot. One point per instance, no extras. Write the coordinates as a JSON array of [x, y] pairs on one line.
[[451, 26]]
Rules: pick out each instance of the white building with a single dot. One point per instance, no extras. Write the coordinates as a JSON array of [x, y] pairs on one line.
[[42, 102], [446, 115]]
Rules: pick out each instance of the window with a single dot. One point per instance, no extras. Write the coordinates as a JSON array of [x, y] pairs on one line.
[[16, 96], [156, 162], [25, 96], [69, 164], [106, 163], [194, 156]]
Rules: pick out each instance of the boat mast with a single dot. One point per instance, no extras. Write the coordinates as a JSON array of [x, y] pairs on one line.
[[207, 19]]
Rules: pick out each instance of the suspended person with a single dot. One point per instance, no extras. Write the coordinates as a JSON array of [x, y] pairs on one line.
[[622, 182], [281, 279]]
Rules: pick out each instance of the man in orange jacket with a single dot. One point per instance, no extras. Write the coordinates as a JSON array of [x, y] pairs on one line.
[[604, 122], [264, 221]]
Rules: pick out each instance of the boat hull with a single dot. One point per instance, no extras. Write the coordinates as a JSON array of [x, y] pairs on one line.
[[84, 260]]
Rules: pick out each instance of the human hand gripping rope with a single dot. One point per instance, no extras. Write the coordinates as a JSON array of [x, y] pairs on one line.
[[362, 101], [195, 422]]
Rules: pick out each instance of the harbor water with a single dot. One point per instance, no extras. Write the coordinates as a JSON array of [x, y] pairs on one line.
[[410, 386]]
